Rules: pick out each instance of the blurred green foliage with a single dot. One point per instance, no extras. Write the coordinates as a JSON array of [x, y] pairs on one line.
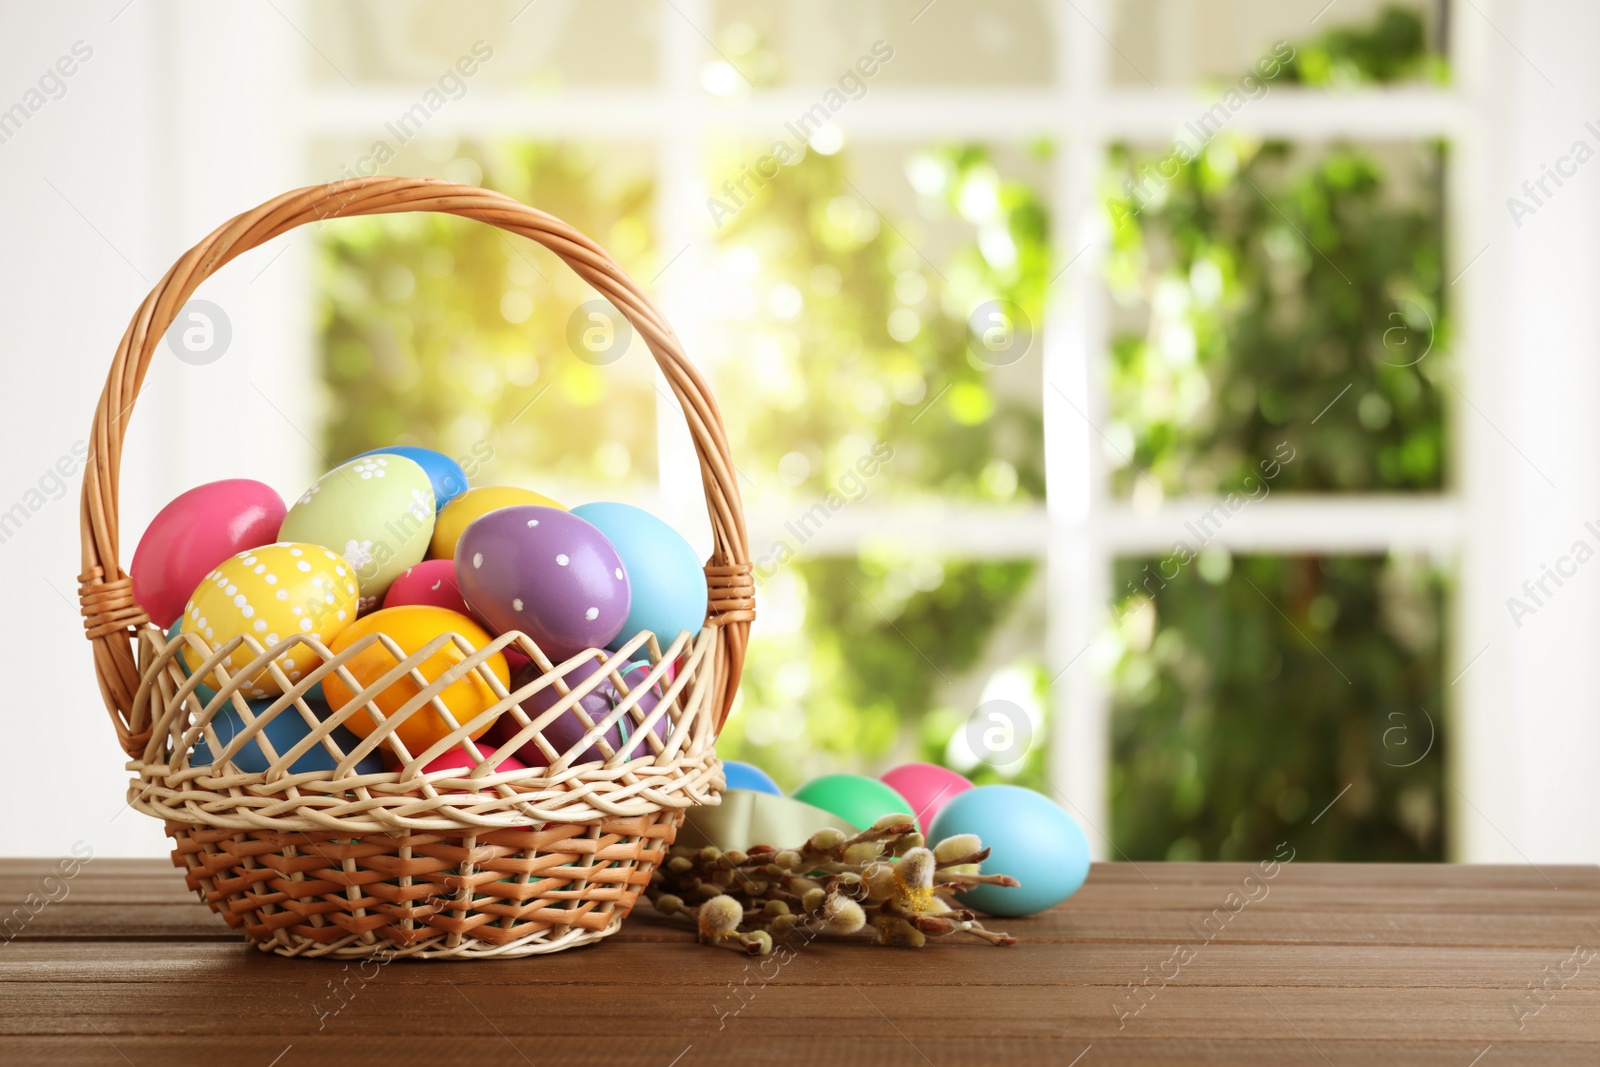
[[441, 331], [847, 328], [1394, 48], [1288, 293], [857, 335], [1294, 300], [1253, 690]]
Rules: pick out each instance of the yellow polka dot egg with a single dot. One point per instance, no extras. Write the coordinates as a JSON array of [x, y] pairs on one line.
[[272, 594]]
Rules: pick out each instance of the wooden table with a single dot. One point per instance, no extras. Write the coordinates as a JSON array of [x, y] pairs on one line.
[[1337, 965]]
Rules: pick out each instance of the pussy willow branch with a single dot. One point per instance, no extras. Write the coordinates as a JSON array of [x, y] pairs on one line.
[[884, 877]]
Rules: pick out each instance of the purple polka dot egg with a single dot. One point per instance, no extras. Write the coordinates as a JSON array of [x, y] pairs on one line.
[[547, 573]]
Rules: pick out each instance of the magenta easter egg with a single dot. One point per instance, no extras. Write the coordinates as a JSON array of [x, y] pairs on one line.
[[193, 534], [547, 573], [431, 582], [457, 759], [927, 787]]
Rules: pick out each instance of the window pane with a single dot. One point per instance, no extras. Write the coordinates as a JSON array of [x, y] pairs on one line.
[[809, 43], [846, 286], [1250, 691], [521, 44], [1278, 292], [872, 661], [1335, 45], [446, 332]]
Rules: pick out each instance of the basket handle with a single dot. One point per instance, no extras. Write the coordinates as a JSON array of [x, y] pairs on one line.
[[105, 592]]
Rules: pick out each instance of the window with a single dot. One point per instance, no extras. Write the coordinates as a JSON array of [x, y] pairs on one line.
[[978, 389]]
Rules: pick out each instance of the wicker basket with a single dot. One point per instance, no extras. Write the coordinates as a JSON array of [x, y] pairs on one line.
[[453, 864]]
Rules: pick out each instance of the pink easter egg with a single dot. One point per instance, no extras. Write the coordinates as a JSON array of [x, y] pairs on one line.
[[515, 659], [457, 759], [431, 582], [927, 787], [193, 534]]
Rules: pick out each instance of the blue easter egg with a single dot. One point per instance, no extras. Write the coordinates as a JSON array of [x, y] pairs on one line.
[[449, 480], [288, 729], [749, 777], [664, 573], [1032, 839], [203, 693]]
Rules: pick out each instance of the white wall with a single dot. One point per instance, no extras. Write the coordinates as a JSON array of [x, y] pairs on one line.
[[163, 132], [1523, 788]]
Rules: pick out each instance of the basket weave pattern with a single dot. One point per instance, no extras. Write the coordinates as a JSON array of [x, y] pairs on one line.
[[455, 864]]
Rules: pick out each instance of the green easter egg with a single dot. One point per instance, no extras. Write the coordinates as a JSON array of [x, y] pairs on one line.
[[855, 798], [375, 511]]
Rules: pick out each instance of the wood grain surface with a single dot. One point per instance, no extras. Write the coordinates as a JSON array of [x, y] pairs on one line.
[[1148, 964]]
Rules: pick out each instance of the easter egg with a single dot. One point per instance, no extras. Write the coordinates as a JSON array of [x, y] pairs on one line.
[[272, 593], [545, 572], [928, 788], [461, 512], [665, 577], [283, 733], [411, 628], [205, 693], [377, 512], [193, 534], [568, 729], [445, 474], [1031, 838], [458, 759], [855, 798], [749, 777], [433, 581]]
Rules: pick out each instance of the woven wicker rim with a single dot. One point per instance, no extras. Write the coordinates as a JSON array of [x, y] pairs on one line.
[[112, 619]]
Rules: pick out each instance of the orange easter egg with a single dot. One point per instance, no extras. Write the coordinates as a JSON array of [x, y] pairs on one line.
[[412, 627]]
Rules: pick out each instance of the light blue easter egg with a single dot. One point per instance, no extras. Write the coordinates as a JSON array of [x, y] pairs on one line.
[[749, 777], [285, 731], [664, 573], [449, 480], [1033, 840]]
